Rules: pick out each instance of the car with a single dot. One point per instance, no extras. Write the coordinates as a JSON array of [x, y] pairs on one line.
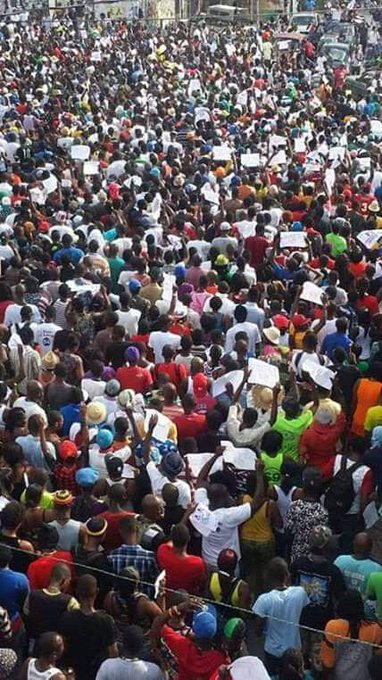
[[337, 54], [359, 85], [302, 21], [223, 14]]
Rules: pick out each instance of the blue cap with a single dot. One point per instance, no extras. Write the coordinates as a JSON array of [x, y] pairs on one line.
[[104, 438], [155, 172], [297, 226], [134, 286], [204, 625], [87, 476], [235, 181]]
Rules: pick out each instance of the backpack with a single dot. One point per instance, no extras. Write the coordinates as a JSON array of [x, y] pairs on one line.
[[340, 494]]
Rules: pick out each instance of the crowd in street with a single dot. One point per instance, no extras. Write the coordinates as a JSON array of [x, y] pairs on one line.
[[190, 353]]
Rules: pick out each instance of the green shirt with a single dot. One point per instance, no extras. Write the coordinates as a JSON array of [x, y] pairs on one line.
[[272, 467], [291, 430], [374, 590], [338, 244], [116, 265]]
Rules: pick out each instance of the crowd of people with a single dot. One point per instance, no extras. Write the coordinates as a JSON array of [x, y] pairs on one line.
[[191, 354]]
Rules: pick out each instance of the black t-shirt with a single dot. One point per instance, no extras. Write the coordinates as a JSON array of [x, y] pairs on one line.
[[115, 354], [323, 583], [87, 637]]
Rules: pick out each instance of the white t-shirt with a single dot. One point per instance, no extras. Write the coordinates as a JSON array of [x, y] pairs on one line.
[[12, 314], [158, 481], [252, 331], [129, 320], [97, 458], [227, 532], [30, 408], [94, 388], [158, 339], [44, 335]]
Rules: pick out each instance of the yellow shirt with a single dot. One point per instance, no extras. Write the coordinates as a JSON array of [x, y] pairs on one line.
[[258, 528], [373, 418]]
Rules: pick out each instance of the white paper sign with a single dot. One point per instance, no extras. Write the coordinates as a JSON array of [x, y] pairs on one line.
[[211, 196], [222, 153], [264, 374], [292, 239], [276, 141], [370, 238], [50, 184], [299, 145], [96, 56], [233, 377], [376, 128], [337, 153], [65, 142], [91, 168], [311, 293], [128, 472], [168, 287], [196, 462], [279, 159], [250, 160], [241, 458], [162, 427], [80, 152]]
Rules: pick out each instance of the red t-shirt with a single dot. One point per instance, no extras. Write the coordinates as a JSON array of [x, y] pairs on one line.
[[257, 246], [193, 663], [3, 306], [190, 425], [134, 378], [186, 572], [40, 570], [368, 302], [176, 372], [113, 538]]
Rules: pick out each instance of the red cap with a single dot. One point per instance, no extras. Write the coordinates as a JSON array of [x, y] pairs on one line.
[[68, 449], [43, 226], [280, 321], [200, 385], [299, 320]]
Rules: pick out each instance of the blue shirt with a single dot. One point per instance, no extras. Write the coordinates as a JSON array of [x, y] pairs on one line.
[[31, 447], [70, 414], [356, 572], [285, 605], [334, 340], [14, 588], [74, 254]]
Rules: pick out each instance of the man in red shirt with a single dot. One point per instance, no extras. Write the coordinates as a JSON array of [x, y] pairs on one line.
[[317, 445], [134, 377], [40, 570], [176, 372], [257, 246], [196, 657], [183, 571], [190, 424]]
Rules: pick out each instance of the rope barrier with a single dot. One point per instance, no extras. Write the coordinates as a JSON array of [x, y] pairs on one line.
[[204, 600]]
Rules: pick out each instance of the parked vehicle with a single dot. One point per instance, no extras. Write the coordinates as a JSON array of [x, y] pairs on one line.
[[302, 21]]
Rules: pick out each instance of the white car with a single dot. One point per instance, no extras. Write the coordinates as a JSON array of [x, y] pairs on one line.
[[303, 20]]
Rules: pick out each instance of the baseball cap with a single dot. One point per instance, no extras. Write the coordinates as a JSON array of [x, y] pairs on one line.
[[247, 667], [281, 322], [68, 449], [200, 385], [225, 226], [86, 477], [114, 465], [299, 320], [221, 260], [104, 438], [134, 286], [234, 628], [204, 625]]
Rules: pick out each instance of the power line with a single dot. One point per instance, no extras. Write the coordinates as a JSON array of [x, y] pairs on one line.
[[205, 600]]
